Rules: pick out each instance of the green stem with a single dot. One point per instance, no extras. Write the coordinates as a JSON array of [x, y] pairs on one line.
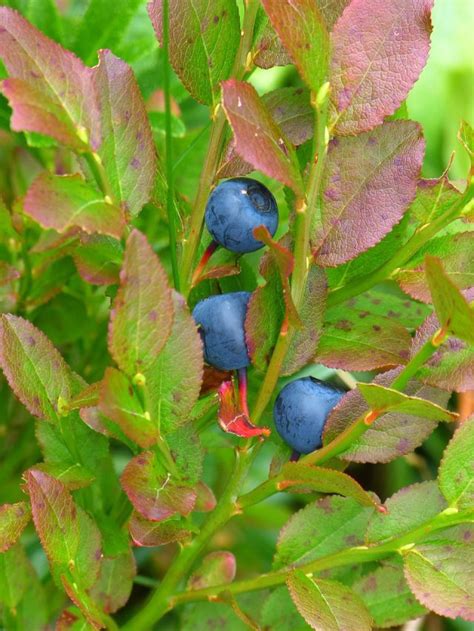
[[418, 240], [351, 556], [97, 168], [170, 203], [305, 212], [160, 600], [216, 142]]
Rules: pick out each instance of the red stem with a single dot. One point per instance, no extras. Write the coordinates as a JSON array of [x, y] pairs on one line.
[[211, 248], [242, 379]]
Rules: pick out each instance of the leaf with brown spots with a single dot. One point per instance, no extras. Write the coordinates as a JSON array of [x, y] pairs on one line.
[[258, 138], [302, 30], [440, 572], [36, 372], [68, 535], [142, 312], [368, 182], [127, 150], [204, 38], [390, 436], [328, 605], [323, 527], [379, 48], [357, 340], [154, 492], [387, 596], [49, 89], [13, 520], [62, 202], [150, 534], [456, 472]]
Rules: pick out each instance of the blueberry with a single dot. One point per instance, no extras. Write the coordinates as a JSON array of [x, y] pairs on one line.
[[235, 208], [301, 410], [221, 321]]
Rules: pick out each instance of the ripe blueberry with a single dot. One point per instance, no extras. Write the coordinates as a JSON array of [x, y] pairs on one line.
[[221, 321], [301, 410], [235, 208]]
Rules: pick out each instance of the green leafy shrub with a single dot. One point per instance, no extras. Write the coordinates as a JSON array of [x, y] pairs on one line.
[[140, 487]]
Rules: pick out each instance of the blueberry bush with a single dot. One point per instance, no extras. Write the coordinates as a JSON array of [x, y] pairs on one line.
[[235, 320]]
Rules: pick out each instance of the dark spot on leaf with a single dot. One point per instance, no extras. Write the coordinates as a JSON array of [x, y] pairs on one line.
[[370, 584], [215, 19], [404, 354], [376, 327], [153, 315], [393, 314], [344, 325], [403, 445], [31, 341], [375, 301], [363, 314], [135, 163]]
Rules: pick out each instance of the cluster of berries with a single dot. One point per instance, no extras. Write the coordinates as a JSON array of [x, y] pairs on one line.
[[234, 209]]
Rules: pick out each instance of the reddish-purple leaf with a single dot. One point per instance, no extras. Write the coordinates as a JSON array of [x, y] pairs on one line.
[[62, 202], [217, 568], [174, 378], [302, 30], [150, 534], [153, 491], [203, 44], [35, 370], [331, 10], [269, 50], [390, 436], [142, 314], [119, 402], [357, 340], [304, 342], [231, 417], [98, 259], [205, 498], [379, 49], [440, 572], [368, 183], [452, 365], [127, 149], [13, 519], [73, 476], [69, 537], [115, 581], [258, 139], [50, 89]]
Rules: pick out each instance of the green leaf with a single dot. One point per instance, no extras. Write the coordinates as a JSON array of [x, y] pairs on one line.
[[323, 481], [202, 616], [305, 340], [120, 403], [115, 581], [154, 492], [15, 576], [216, 568], [358, 340], [321, 528], [62, 202], [258, 139], [68, 535], [466, 138], [127, 150], [102, 28], [387, 596], [453, 311], [328, 605], [390, 436], [408, 509], [142, 313], [456, 473], [49, 89], [158, 123], [381, 398], [433, 199], [147, 533], [45, 16], [279, 612], [456, 254], [13, 520], [204, 38], [35, 370], [98, 259], [399, 308], [173, 379], [440, 572], [302, 30]]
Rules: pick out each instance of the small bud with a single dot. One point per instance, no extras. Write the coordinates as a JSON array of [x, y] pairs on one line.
[[82, 134], [452, 510], [63, 407], [147, 416], [323, 94], [406, 548], [139, 380], [108, 200]]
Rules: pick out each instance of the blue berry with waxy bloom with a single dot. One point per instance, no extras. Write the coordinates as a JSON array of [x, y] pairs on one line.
[[235, 208], [221, 324], [301, 411]]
